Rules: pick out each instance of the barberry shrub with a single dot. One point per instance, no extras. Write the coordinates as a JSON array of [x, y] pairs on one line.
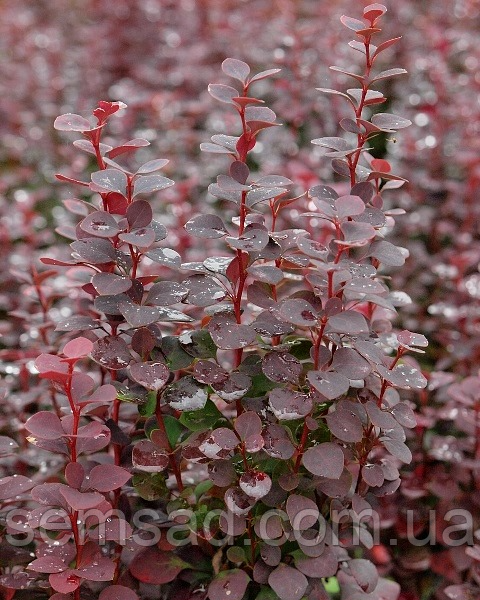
[[251, 405]]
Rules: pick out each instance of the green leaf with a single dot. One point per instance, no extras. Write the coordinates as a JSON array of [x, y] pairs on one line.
[[331, 585], [198, 344], [260, 386], [266, 593], [300, 349], [176, 356], [202, 487], [174, 429], [150, 486], [148, 408], [205, 418]]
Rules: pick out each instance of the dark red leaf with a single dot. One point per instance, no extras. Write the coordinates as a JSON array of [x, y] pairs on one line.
[[326, 460]]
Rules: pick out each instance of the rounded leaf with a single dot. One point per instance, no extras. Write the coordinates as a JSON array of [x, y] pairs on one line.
[[325, 460], [148, 457], [288, 583], [228, 585], [152, 375]]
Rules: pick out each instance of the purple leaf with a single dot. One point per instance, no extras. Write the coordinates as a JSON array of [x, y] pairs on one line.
[[109, 284], [204, 290], [238, 70], [117, 592], [388, 122], [345, 425], [165, 256], [105, 478], [223, 93], [146, 456], [147, 184], [325, 460], [302, 512], [350, 363], [325, 565], [221, 439], [81, 500], [288, 405], [349, 322], [253, 239], [255, 484], [111, 352], [403, 376], [166, 293], [281, 367], [277, 443], [139, 214], [229, 335], [47, 564], [299, 312], [206, 226], [95, 250], [100, 224], [45, 425], [71, 122], [288, 583], [237, 501], [14, 485], [150, 167], [248, 424], [139, 316], [109, 180], [152, 375], [329, 384], [142, 238], [228, 585], [7, 445]]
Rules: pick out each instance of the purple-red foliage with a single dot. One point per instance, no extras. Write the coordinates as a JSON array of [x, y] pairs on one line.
[[239, 350]]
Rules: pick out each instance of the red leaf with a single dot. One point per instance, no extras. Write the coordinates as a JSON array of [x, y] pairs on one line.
[[153, 566]]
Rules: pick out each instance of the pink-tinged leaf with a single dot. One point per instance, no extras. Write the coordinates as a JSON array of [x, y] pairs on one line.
[[100, 224], [64, 582], [152, 375], [156, 567], [148, 184], [255, 484], [264, 74], [129, 146], [351, 23], [350, 363], [266, 274], [118, 592], [206, 226], [329, 384], [387, 253], [325, 565], [152, 166], [238, 502], [463, 591], [239, 171], [138, 316], [229, 184], [373, 11], [325, 460], [277, 443], [404, 415], [261, 194], [389, 73], [288, 583], [141, 238], [373, 475], [166, 293], [139, 214], [302, 512], [71, 122], [95, 250], [236, 69], [101, 568], [365, 574], [299, 312], [288, 405], [348, 206], [409, 338], [248, 424], [233, 388], [7, 445], [109, 284], [148, 457], [45, 425], [74, 475], [165, 256], [81, 500], [253, 239], [14, 485], [105, 478], [223, 93], [403, 376], [228, 585], [379, 417], [51, 367], [109, 180], [77, 348], [357, 233], [111, 352], [397, 449], [219, 443], [92, 437], [384, 45], [47, 564], [359, 78], [229, 335], [348, 322], [345, 425], [204, 290], [61, 177], [389, 122]]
